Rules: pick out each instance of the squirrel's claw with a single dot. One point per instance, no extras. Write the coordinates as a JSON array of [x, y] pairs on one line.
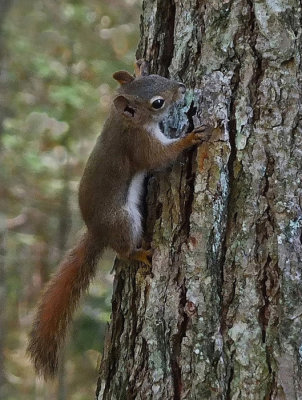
[[201, 128], [201, 133]]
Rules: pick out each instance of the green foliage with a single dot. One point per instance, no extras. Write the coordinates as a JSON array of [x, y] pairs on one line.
[[57, 71], [90, 326]]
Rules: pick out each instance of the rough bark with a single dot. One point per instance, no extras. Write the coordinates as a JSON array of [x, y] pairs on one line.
[[218, 316]]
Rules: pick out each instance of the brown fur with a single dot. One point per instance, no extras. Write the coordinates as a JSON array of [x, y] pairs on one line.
[[126, 148], [58, 302]]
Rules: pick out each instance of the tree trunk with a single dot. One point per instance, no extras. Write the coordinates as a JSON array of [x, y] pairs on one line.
[[63, 231], [3, 293], [5, 5], [4, 8], [218, 316]]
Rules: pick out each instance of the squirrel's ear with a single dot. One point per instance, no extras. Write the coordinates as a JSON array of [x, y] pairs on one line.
[[123, 105], [123, 77]]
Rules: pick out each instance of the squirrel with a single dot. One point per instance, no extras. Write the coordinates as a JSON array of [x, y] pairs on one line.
[[130, 145]]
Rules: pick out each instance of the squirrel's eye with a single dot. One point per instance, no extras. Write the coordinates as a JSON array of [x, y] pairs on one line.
[[157, 103]]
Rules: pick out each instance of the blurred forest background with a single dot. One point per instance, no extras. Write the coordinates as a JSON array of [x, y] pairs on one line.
[[56, 64]]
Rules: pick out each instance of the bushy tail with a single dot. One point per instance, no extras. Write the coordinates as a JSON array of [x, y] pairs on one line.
[[58, 303]]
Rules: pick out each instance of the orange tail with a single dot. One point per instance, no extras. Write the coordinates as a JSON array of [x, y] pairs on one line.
[[58, 302]]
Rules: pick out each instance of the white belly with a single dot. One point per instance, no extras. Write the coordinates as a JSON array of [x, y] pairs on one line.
[[133, 203]]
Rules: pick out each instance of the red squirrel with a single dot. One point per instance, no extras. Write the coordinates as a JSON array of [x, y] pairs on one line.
[[131, 144]]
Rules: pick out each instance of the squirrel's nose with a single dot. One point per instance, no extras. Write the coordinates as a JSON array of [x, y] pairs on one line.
[[182, 88]]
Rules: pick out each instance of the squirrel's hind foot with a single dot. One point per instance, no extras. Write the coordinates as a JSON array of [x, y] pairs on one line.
[[142, 255]]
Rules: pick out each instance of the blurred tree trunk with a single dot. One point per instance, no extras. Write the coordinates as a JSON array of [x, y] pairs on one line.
[[218, 316], [4, 7], [3, 293], [63, 231]]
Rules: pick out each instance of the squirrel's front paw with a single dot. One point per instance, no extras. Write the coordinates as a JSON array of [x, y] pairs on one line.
[[200, 134]]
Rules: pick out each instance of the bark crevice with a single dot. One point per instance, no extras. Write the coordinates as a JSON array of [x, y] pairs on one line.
[[176, 346], [228, 278]]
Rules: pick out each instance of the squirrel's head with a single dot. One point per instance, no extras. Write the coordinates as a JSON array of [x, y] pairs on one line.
[[146, 98]]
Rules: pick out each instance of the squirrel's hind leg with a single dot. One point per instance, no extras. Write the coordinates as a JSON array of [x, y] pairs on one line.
[[127, 240]]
